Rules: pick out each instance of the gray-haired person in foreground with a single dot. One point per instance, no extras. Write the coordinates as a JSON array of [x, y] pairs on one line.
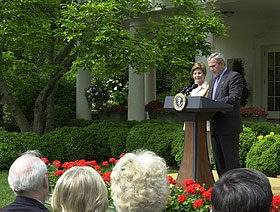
[[28, 178], [242, 190], [139, 183]]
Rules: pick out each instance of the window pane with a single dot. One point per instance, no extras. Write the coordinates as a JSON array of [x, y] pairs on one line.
[[271, 59], [277, 103], [270, 103], [270, 89], [277, 90], [277, 75], [277, 58], [270, 74]]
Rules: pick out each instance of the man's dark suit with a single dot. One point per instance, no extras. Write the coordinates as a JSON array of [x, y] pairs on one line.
[[226, 126], [24, 204]]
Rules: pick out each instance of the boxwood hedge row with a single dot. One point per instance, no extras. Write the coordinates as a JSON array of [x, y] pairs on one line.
[[100, 140]]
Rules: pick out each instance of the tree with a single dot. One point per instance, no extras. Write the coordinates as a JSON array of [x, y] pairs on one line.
[[238, 66], [42, 40]]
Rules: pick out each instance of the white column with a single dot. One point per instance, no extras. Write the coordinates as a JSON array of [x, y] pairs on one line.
[[150, 86], [136, 97], [83, 110]]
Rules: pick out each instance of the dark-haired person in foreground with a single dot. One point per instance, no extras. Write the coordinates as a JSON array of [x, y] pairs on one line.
[[28, 178], [242, 190]]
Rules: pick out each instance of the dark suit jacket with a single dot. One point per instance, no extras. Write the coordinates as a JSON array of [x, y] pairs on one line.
[[229, 91], [24, 204]]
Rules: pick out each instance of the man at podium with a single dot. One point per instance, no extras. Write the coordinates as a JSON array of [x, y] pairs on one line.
[[227, 86]]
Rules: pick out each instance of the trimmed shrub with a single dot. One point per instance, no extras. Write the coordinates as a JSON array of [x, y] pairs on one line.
[[140, 133], [263, 128], [264, 156], [79, 123], [177, 146], [246, 139], [13, 144], [111, 138], [161, 139]]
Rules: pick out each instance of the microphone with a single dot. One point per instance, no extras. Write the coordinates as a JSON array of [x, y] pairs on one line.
[[189, 89], [186, 88]]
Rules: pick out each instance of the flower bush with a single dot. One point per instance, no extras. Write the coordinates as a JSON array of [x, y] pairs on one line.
[[155, 107], [253, 112], [111, 108], [192, 197]]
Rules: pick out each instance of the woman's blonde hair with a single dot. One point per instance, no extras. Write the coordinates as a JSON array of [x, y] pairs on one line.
[[80, 189], [199, 65]]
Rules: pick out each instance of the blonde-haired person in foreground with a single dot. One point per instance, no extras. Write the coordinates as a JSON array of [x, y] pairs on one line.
[[80, 189], [139, 183]]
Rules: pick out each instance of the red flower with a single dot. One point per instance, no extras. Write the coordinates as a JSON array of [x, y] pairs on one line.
[[97, 167], [171, 180], [207, 195], [92, 163], [82, 163], [275, 206], [116, 161], [64, 165], [111, 160], [121, 155], [188, 182], [107, 177], [105, 163], [45, 160], [198, 203], [56, 163], [182, 198], [58, 173], [195, 189], [99, 172]]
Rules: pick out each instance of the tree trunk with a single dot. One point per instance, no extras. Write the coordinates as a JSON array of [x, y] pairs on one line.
[[17, 113], [50, 122]]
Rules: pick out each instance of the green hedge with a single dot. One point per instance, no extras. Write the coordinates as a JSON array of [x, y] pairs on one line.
[[246, 139], [13, 144], [100, 140], [264, 156]]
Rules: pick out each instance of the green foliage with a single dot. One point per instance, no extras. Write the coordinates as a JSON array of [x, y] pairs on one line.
[[13, 144], [263, 128], [238, 66], [161, 139], [111, 139], [140, 134], [246, 139], [178, 145], [63, 115], [79, 123], [264, 156], [9, 126], [6, 195]]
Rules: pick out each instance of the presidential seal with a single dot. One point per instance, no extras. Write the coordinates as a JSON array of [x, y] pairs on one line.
[[179, 102]]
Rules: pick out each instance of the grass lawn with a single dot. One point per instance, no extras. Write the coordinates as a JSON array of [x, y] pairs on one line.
[[6, 195]]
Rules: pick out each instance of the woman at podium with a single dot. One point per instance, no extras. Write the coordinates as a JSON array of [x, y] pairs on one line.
[[198, 73]]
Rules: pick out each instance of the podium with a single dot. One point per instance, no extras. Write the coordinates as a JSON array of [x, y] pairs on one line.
[[195, 162]]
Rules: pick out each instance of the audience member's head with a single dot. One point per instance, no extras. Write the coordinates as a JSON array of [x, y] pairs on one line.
[[28, 176], [242, 190], [80, 189], [139, 183]]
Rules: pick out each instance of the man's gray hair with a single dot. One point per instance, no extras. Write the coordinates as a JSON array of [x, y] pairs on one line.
[[219, 57], [27, 173]]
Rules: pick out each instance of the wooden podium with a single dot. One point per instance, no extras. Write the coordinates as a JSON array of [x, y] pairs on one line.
[[195, 162]]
